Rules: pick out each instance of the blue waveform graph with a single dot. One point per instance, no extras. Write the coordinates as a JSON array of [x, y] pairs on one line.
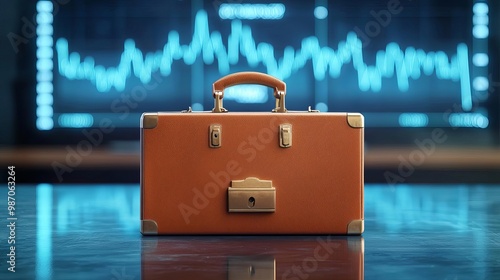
[[410, 63]]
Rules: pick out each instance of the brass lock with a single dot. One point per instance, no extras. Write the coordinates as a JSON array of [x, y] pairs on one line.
[[215, 136], [251, 195]]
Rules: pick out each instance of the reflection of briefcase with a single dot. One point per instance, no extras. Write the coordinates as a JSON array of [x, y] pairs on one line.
[[251, 173], [262, 257]]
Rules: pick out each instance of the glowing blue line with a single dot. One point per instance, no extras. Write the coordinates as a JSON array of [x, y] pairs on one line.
[[43, 231], [252, 11], [389, 62], [463, 58], [44, 64]]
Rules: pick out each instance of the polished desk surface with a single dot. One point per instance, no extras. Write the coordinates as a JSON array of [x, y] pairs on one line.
[[411, 232]]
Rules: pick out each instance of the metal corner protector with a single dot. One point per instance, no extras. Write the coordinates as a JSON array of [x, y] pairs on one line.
[[356, 227], [149, 227], [149, 120], [355, 120]]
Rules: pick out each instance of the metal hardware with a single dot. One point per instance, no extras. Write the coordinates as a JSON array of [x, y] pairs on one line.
[[189, 110], [215, 135], [149, 227], [285, 135], [310, 110], [218, 108], [149, 120], [356, 227], [355, 120], [247, 268], [251, 195], [280, 102]]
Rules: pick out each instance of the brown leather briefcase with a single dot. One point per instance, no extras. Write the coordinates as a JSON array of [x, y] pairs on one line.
[[280, 172]]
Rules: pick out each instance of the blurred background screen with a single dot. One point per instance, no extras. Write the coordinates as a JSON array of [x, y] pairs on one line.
[[408, 66]]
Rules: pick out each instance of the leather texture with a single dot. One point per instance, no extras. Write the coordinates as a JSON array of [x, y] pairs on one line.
[[318, 180], [249, 78]]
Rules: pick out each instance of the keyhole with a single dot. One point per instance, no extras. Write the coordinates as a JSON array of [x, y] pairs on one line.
[[251, 202]]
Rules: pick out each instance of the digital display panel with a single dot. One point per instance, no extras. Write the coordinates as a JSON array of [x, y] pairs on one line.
[[401, 63]]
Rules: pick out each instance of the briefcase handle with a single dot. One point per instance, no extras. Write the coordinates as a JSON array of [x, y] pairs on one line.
[[249, 78]]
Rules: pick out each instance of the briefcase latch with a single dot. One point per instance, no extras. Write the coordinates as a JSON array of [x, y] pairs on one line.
[[285, 135], [251, 195]]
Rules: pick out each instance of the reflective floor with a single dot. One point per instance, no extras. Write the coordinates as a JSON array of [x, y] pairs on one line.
[[412, 232]]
